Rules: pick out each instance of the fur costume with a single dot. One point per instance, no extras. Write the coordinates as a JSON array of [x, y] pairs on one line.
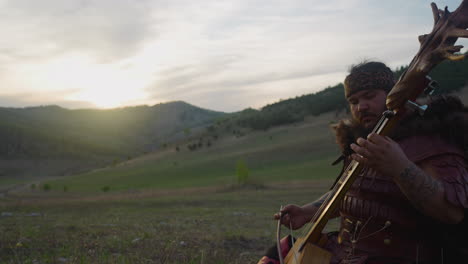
[[445, 116]]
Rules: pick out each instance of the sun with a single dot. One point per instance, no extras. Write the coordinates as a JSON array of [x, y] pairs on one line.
[[104, 85], [107, 97]]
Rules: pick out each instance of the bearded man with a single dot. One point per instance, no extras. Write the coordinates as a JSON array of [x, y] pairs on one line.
[[409, 204]]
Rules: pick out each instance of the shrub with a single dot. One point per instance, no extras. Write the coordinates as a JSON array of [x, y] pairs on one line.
[[105, 189], [46, 187], [242, 172]]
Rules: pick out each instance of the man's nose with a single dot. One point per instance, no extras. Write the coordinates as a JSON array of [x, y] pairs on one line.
[[363, 106]]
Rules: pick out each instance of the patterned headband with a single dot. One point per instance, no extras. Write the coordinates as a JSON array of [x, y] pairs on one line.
[[364, 80]]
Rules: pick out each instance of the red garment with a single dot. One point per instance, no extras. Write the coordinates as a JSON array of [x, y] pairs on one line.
[[272, 256]]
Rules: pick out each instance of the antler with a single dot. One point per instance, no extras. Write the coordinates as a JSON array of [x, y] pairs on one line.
[[435, 47], [448, 27]]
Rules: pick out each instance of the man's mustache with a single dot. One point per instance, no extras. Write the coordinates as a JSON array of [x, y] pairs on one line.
[[366, 114]]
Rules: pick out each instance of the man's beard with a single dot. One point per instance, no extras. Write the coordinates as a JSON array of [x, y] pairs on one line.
[[348, 131], [371, 120], [361, 130]]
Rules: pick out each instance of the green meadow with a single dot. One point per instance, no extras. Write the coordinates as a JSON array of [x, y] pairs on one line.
[[299, 152], [172, 206]]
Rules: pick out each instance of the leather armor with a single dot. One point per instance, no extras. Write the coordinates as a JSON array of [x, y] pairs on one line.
[[379, 222]]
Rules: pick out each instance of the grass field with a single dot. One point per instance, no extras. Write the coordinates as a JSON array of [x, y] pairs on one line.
[[195, 225], [297, 152], [171, 206]]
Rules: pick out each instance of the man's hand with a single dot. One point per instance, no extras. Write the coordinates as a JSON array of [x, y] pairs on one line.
[[293, 216], [381, 154], [419, 184]]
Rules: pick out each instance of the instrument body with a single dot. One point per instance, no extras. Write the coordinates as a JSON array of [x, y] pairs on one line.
[[311, 253]]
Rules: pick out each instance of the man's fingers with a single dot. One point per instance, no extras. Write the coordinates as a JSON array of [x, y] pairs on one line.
[[359, 158], [288, 208], [378, 139], [283, 216], [362, 151], [285, 220], [368, 144]]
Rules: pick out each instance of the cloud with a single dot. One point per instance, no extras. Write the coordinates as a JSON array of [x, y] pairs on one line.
[[51, 98], [225, 55], [232, 91], [107, 29], [252, 48]]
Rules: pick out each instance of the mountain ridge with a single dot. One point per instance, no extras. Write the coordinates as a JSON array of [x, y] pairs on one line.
[[95, 137]]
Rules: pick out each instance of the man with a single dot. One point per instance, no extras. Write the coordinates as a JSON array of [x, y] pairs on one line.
[[409, 203]]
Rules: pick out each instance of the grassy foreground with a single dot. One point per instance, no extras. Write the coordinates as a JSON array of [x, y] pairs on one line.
[[203, 225]]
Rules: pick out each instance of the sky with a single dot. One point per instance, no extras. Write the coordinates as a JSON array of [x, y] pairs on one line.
[[219, 55]]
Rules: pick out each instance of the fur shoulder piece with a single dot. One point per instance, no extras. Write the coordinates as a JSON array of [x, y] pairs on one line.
[[446, 116]]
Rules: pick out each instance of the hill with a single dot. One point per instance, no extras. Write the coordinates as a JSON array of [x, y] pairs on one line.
[[297, 152], [301, 151], [50, 140], [450, 76]]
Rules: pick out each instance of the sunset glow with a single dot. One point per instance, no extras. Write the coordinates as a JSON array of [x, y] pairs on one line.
[[103, 85]]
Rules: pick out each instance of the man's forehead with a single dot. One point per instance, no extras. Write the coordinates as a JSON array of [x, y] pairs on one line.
[[361, 93]]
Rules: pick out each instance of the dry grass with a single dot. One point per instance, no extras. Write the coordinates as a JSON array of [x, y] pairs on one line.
[[203, 225]]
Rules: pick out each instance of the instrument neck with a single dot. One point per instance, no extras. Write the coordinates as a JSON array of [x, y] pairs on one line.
[[383, 127]]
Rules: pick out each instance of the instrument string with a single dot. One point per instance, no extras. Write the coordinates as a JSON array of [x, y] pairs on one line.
[[322, 207], [278, 238], [333, 192], [292, 240], [343, 177]]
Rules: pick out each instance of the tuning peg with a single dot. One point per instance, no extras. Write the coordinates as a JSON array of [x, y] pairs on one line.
[[416, 107], [431, 87]]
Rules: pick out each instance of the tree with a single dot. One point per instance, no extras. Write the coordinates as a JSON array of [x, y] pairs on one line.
[[242, 172]]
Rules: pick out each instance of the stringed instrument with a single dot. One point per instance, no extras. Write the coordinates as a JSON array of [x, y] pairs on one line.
[[435, 47]]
